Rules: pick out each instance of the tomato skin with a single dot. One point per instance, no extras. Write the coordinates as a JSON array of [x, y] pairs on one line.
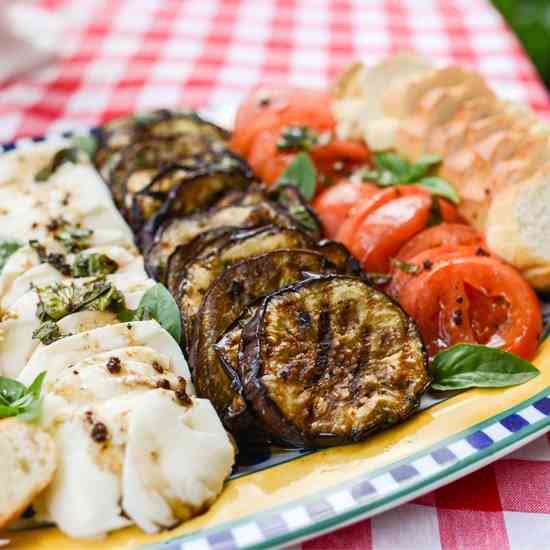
[[334, 203], [425, 260], [453, 234], [376, 229], [474, 300]]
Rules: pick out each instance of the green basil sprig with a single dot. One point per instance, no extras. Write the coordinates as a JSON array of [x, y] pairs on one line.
[[472, 365], [391, 169], [157, 303], [301, 174], [7, 248], [16, 399]]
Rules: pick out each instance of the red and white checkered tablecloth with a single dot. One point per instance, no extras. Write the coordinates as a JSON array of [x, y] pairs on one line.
[[125, 55]]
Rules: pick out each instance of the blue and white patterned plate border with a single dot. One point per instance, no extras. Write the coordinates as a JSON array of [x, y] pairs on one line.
[[376, 491]]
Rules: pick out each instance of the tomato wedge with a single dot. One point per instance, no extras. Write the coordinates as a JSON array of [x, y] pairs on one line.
[[334, 203], [376, 230], [424, 261], [455, 234], [474, 300]]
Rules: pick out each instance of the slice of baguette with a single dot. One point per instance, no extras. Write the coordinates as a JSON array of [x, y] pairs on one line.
[[518, 227], [28, 462]]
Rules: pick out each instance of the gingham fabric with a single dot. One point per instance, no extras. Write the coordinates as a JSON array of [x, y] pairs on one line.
[[119, 56]]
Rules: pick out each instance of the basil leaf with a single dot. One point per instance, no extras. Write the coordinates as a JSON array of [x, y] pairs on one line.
[[471, 365], [11, 390], [435, 216], [7, 248], [157, 303], [18, 400], [69, 154], [440, 187], [87, 143], [48, 333], [393, 163], [301, 174], [298, 138], [422, 167]]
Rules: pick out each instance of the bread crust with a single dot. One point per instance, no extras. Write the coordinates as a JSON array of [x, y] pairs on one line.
[[40, 466]]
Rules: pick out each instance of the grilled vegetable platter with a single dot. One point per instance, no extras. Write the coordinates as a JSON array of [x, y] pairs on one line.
[[175, 294]]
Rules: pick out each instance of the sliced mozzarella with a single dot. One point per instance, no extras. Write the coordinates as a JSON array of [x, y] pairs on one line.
[[141, 369], [177, 459], [84, 499], [70, 350]]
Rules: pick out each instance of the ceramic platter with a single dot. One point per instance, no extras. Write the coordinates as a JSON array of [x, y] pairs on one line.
[[279, 497]]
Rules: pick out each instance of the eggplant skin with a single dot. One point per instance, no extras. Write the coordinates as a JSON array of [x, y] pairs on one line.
[[222, 307], [329, 361], [198, 191]]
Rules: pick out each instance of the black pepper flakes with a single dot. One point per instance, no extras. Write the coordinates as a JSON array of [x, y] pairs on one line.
[[89, 415], [457, 317], [481, 252], [100, 433], [181, 392], [163, 383], [114, 365], [428, 264], [460, 300], [158, 367]]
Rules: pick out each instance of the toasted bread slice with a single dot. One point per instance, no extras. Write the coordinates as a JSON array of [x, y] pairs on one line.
[[28, 460]]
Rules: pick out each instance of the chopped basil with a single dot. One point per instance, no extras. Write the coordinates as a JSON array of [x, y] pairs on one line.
[[378, 278], [301, 174], [74, 238], [16, 399], [58, 261], [7, 248], [405, 266], [69, 154], [391, 169], [435, 216], [93, 265], [471, 365], [157, 303], [48, 333], [297, 138], [303, 217], [61, 299]]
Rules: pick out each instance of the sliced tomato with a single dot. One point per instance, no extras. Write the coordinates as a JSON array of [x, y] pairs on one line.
[[376, 230], [334, 203], [474, 300], [454, 234], [271, 108], [424, 261], [339, 157]]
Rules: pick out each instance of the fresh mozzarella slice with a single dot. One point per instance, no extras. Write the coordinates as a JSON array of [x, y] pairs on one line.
[[75, 192], [177, 459], [70, 350], [84, 498], [39, 275], [140, 369], [24, 259]]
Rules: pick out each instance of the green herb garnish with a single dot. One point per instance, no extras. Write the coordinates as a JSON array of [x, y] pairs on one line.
[[301, 174], [297, 138], [74, 238], [58, 261], [472, 365], [86, 143], [7, 248], [61, 299], [406, 266], [48, 333], [16, 399], [93, 265], [157, 303], [69, 154], [391, 169]]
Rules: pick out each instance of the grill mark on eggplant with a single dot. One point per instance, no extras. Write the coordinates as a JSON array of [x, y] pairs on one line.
[[324, 344]]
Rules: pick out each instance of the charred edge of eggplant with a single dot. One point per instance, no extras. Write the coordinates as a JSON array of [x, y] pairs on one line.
[[147, 234], [224, 134], [349, 263], [255, 392]]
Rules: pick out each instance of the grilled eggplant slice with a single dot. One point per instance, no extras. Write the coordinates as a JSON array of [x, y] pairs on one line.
[[180, 231], [303, 216], [340, 256], [187, 122], [238, 286], [190, 281], [142, 160], [195, 193], [119, 133], [330, 360], [149, 200]]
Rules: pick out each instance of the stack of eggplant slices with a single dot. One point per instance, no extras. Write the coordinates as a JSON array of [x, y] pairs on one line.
[[283, 333]]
